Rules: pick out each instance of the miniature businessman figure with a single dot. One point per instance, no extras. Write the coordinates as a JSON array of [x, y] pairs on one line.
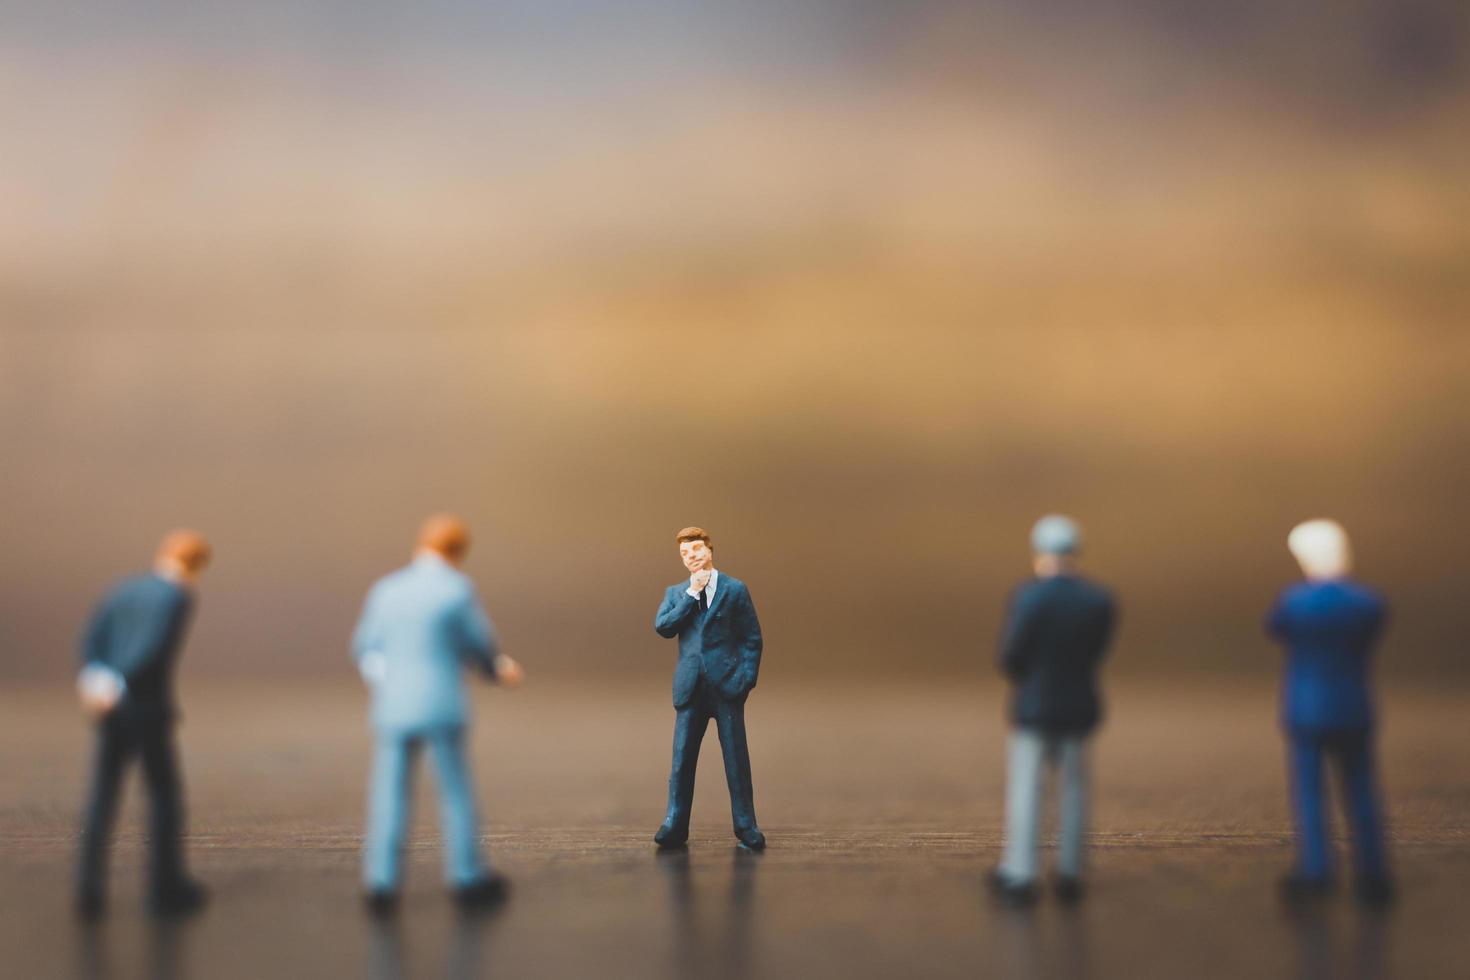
[[421, 626], [719, 659], [126, 685], [1329, 625], [1056, 633]]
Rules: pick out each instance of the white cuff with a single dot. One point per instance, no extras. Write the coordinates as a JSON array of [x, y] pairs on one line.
[[101, 682]]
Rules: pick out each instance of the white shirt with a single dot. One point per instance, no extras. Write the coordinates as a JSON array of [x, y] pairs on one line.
[[709, 589]]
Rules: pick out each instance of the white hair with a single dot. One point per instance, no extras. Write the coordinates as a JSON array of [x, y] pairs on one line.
[[1056, 535], [1321, 547]]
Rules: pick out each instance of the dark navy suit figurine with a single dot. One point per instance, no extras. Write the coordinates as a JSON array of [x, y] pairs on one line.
[[1329, 625], [1057, 630], [129, 649], [719, 660]]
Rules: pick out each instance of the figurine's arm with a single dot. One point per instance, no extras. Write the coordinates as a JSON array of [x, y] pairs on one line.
[[673, 613], [751, 642], [1276, 621], [94, 639], [366, 651], [99, 686], [1106, 630], [1015, 639], [479, 643]]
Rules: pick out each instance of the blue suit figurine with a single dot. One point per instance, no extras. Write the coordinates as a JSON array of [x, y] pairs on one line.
[[129, 651], [719, 660], [1329, 625], [421, 627], [1056, 634]]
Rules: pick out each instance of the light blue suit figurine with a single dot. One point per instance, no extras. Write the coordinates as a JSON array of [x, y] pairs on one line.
[[421, 627]]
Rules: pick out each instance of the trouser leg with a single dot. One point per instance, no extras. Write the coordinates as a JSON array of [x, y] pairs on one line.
[[114, 748], [730, 726], [462, 862], [1313, 860], [1023, 802], [690, 723], [165, 797], [1074, 777], [388, 811], [1360, 800]]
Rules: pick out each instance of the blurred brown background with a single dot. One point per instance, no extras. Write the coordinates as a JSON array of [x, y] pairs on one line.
[[862, 288]]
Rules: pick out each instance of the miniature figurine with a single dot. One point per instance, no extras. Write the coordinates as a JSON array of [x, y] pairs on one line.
[[719, 660], [129, 650], [1329, 625], [1055, 636], [420, 627]]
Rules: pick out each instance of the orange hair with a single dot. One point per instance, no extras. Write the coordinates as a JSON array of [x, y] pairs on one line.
[[694, 534], [446, 534], [188, 548]]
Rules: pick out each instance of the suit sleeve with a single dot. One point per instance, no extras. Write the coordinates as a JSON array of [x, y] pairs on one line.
[[1107, 626], [1016, 637], [751, 642], [365, 637], [94, 638], [1276, 620], [478, 640], [673, 613]]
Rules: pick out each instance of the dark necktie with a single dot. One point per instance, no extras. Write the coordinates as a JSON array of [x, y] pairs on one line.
[[703, 601]]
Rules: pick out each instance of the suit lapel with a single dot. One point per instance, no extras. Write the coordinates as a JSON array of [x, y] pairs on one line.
[[722, 589]]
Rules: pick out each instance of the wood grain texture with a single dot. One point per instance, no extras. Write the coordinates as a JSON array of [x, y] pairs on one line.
[[882, 806]]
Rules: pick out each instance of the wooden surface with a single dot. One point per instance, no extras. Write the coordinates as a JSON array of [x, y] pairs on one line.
[[882, 807]]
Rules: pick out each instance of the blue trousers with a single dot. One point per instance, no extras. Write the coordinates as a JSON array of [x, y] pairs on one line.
[[388, 807], [690, 724], [1352, 754]]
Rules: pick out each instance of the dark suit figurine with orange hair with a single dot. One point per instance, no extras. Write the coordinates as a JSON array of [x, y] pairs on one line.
[[719, 659], [129, 650]]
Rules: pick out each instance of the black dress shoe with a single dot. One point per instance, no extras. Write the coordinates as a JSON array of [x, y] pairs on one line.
[[182, 898], [380, 902], [89, 905], [752, 839], [1012, 892], [488, 891], [1375, 891], [667, 836], [1069, 889], [1297, 887]]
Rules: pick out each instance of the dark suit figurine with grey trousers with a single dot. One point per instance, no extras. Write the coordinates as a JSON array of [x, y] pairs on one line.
[[719, 659]]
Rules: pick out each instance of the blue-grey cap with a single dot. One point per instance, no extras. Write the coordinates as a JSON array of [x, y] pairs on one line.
[[1056, 535]]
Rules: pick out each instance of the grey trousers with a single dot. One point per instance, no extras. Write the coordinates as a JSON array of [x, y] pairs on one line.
[[1030, 752]]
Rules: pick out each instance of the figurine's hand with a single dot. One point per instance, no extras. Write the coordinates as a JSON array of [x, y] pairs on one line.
[[96, 707], [699, 580], [508, 672]]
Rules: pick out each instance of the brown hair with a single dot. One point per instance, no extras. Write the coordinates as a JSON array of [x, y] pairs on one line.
[[186, 547], [694, 534], [446, 534]]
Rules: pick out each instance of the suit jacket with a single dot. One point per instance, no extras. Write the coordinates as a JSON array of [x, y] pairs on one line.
[[1056, 634], [1329, 630], [426, 623], [723, 645], [137, 630]]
